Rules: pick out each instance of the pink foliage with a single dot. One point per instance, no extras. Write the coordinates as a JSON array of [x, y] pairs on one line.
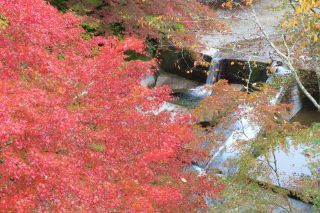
[[71, 135]]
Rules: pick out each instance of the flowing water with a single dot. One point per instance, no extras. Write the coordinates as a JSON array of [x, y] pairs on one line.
[[285, 165], [244, 129], [192, 96], [213, 77], [214, 71], [289, 164]]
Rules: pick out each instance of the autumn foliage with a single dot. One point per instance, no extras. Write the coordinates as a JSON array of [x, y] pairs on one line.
[[176, 21], [303, 23], [229, 4], [77, 132]]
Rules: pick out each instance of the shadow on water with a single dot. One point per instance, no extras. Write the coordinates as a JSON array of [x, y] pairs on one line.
[[308, 114]]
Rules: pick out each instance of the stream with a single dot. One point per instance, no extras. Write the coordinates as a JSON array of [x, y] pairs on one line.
[[286, 164]]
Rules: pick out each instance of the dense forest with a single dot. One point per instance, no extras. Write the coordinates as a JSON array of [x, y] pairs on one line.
[[159, 106]]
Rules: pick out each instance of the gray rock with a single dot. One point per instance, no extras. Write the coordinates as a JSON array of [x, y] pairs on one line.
[[149, 80], [175, 82]]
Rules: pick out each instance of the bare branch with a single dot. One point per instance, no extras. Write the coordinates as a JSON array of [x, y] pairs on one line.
[[287, 60]]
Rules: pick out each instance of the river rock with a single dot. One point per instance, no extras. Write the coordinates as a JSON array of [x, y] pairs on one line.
[[149, 80], [175, 82]]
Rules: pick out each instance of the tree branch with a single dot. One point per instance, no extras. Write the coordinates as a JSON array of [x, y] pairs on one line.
[[287, 60]]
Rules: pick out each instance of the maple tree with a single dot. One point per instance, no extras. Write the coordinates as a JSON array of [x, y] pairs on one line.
[[179, 22], [228, 3], [77, 130], [173, 21]]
